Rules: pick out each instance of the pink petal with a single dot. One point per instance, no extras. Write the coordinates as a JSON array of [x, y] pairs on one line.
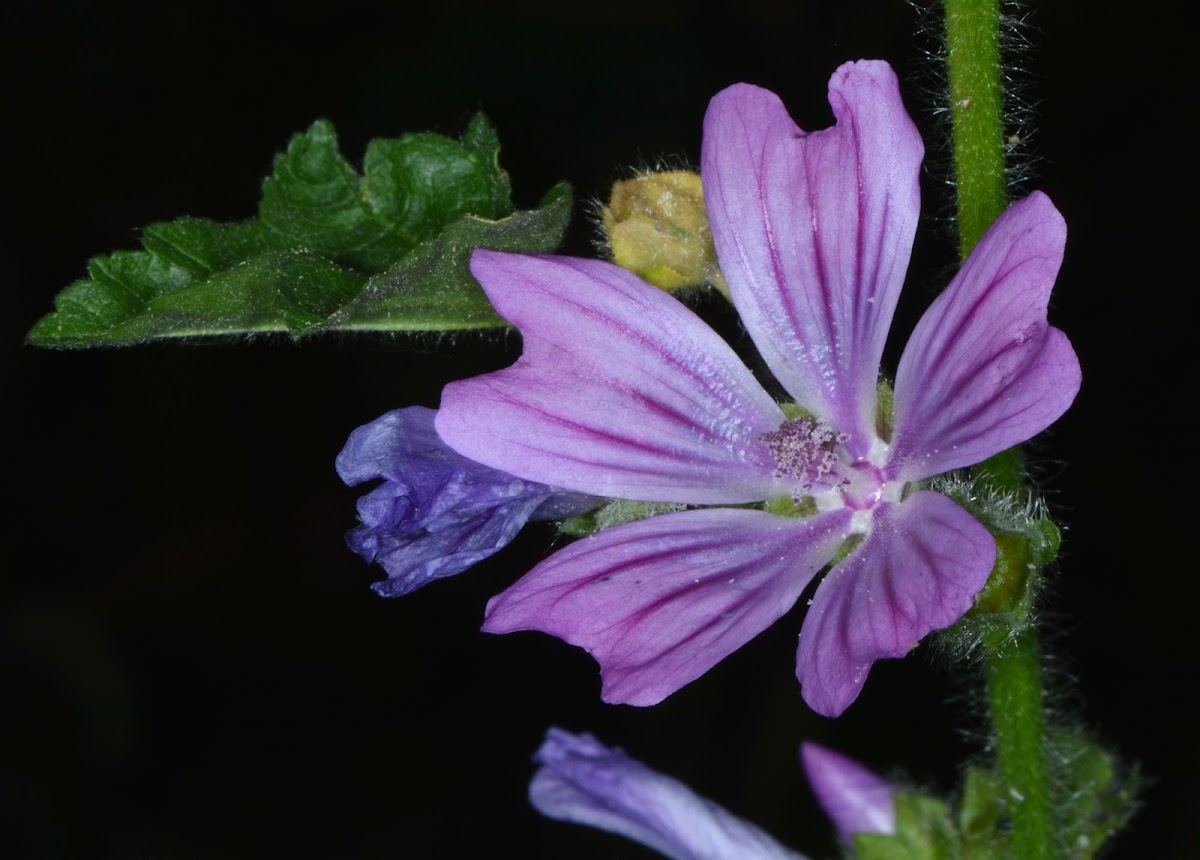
[[857, 800], [984, 370], [660, 601], [621, 391], [918, 570], [814, 231]]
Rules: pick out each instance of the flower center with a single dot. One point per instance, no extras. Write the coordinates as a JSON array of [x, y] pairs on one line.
[[864, 486], [804, 455], [808, 456]]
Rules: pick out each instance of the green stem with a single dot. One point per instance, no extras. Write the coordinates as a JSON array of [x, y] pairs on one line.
[[976, 102], [1014, 683], [1014, 688]]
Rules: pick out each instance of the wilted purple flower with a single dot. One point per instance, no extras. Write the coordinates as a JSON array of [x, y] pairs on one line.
[[436, 512], [623, 392], [582, 781], [857, 800]]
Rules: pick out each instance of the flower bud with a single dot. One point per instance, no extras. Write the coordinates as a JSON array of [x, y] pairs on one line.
[[657, 227], [857, 800]]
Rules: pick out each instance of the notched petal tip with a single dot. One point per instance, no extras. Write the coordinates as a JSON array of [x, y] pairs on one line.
[[873, 70], [813, 233]]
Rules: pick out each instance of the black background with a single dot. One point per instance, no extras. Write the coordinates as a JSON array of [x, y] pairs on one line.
[[192, 664]]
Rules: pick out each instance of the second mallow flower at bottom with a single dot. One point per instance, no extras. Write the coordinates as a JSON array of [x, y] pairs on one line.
[[585, 782]]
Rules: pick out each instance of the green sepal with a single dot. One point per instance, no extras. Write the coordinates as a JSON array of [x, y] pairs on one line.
[[1009, 585], [795, 412], [1013, 582], [1003, 471], [330, 250], [924, 831], [1026, 541], [581, 525], [1045, 540], [617, 512], [786, 506], [848, 546], [885, 406]]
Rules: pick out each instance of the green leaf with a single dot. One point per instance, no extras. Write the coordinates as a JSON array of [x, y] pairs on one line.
[[432, 289], [267, 293], [481, 139], [1094, 796], [329, 250], [980, 816]]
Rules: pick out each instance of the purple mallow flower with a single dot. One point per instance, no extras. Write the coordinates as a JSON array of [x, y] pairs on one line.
[[582, 781], [623, 392], [436, 513], [857, 800]]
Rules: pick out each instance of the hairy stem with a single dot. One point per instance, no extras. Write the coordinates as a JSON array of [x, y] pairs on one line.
[[976, 102], [1014, 688], [1014, 682]]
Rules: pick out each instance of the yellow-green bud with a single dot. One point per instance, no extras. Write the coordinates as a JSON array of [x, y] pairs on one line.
[[657, 228]]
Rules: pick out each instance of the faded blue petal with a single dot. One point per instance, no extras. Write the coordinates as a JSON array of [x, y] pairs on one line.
[[436, 512], [857, 800], [585, 782]]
